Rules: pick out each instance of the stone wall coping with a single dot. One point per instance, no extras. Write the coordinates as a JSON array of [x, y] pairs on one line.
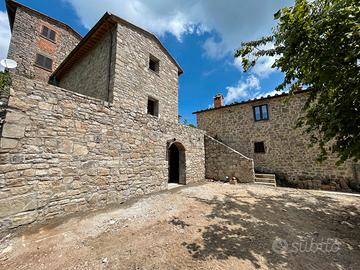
[[228, 147]]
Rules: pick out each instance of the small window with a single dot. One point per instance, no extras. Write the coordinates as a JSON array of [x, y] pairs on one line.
[[259, 147], [48, 33], [261, 112], [153, 107], [44, 62], [154, 64]]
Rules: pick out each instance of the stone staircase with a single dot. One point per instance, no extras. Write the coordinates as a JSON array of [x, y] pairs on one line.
[[265, 179]]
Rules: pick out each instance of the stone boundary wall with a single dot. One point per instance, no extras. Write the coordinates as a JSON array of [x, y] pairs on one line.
[[222, 161], [63, 152]]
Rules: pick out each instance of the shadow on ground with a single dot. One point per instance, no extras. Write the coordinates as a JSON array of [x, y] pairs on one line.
[[247, 229]]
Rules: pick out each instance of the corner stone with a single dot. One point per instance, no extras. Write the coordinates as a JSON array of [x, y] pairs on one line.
[[13, 131], [8, 143], [14, 117], [18, 204]]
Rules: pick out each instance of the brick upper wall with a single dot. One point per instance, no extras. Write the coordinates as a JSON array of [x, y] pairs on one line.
[[26, 42]]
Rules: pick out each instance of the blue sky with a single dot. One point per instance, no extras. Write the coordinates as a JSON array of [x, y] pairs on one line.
[[201, 35]]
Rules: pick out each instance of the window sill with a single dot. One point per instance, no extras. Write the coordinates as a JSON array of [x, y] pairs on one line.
[[48, 39], [154, 72], [262, 120], [153, 116], [44, 68]]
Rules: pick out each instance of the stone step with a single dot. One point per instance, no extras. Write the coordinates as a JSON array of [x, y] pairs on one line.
[[264, 175], [267, 180]]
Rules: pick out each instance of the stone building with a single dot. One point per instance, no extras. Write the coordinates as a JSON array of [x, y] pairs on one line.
[[122, 63], [106, 128], [264, 130], [39, 43]]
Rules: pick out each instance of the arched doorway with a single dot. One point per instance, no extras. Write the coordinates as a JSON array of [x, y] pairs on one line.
[[177, 163]]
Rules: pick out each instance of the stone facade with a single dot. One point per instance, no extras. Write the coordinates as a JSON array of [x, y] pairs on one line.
[[92, 74], [286, 149], [64, 152], [224, 162], [26, 42], [131, 82], [135, 82]]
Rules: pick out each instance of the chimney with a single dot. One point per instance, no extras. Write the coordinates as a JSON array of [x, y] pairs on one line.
[[218, 101]]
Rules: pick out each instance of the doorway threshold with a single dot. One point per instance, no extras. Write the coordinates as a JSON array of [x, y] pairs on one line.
[[174, 185]]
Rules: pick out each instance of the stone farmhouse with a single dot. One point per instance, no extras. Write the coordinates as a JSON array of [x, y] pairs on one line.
[[93, 121], [264, 130]]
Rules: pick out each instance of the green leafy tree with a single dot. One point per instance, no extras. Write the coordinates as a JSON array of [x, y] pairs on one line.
[[316, 45], [5, 81]]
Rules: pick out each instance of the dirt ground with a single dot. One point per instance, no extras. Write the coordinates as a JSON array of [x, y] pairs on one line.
[[208, 226]]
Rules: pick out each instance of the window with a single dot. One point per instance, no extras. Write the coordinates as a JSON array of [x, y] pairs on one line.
[[154, 64], [153, 107], [44, 62], [259, 147], [261, 112], [48, 33]]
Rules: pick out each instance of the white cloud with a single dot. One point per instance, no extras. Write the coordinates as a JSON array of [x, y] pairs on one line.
[[248, 89], [243, 90], [270, 93], [233, 21], [158, 16], [5, 34], [263, 67], [214, 49]]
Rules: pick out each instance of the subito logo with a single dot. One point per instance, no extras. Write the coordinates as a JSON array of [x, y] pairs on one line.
[[280, 246]]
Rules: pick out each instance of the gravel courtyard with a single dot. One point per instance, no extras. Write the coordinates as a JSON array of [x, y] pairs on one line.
[[207, 226]]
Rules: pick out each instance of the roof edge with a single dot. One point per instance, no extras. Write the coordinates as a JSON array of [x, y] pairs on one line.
[[254, 100], [11, 7]]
